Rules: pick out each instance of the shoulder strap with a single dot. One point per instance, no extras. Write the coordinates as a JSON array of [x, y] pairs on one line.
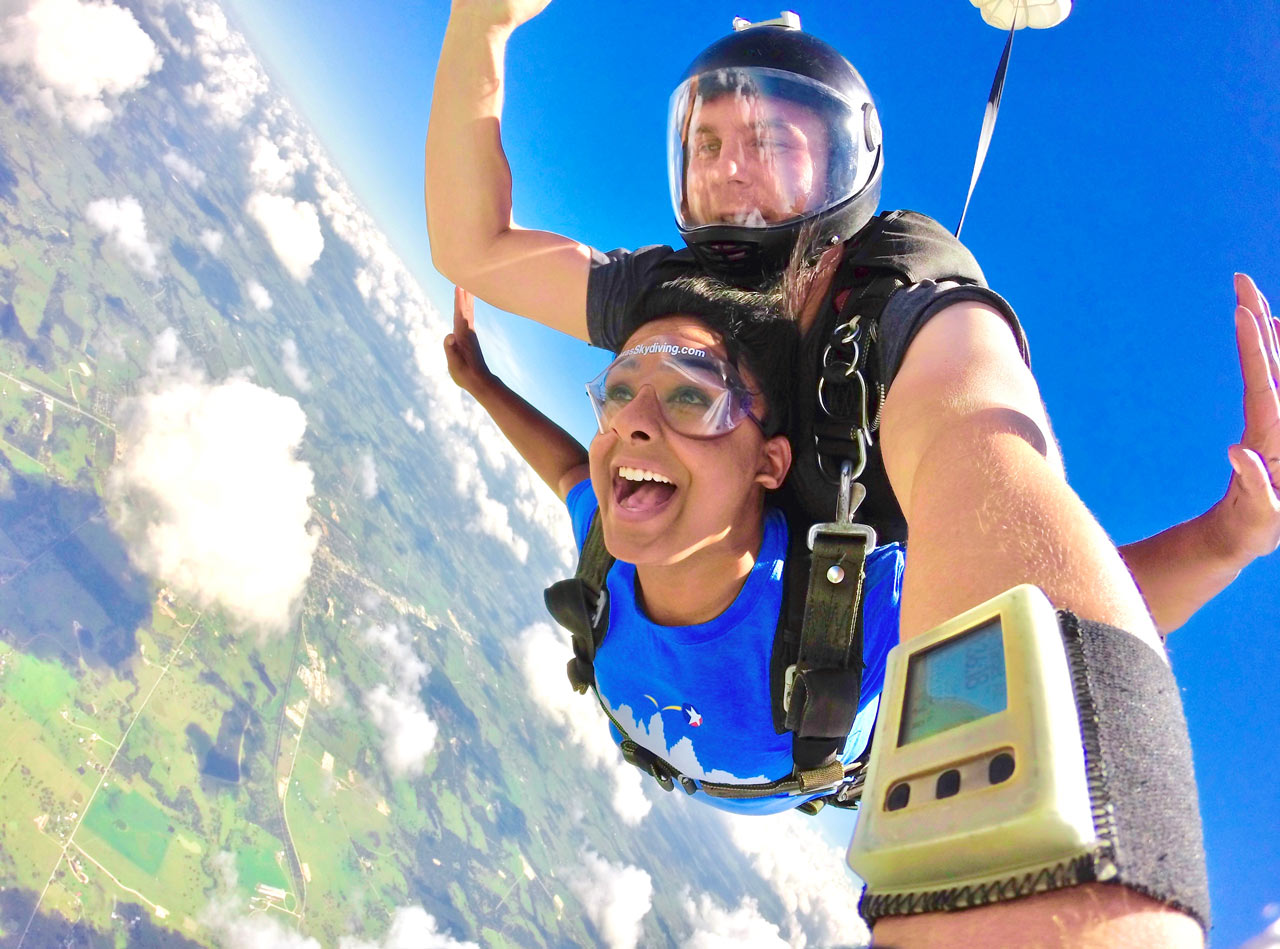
[[581, 605]]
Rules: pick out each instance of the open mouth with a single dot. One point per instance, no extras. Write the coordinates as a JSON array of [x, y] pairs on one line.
[[641, 491]]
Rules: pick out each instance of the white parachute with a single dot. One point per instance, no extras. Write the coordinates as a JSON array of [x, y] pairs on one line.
[[1037, 14]]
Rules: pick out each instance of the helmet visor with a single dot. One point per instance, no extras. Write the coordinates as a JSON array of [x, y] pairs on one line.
[[756, 147], [699, 394]]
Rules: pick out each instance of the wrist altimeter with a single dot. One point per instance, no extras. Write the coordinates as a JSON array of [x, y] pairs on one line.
[[1020, 749]]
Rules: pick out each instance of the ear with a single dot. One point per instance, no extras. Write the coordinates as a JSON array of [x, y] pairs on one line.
[[775, 462]]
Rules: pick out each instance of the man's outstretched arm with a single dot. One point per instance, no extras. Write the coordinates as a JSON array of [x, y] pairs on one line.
[[967, 450], [1182, 568], [474, 240], [554, 455]]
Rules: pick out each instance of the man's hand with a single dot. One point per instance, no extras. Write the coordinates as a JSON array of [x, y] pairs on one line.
[[502, 13], [467, 367], [1249, 513]]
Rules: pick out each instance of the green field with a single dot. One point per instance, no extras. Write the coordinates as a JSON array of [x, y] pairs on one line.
[[132, 825]]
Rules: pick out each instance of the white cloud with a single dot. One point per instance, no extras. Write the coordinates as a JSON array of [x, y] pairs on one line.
[[412, 927], [269, 169], [183, 169], [368, 476], [718, 928], [259, 296], [292, 364], [234, 928], [543, 652], [411, 419], [408, 733], [123, 222], [1269, 938], [82, 57], [615, 896], [211, 240], [808, 873], [209, 493], [292, 228], [234, 80]]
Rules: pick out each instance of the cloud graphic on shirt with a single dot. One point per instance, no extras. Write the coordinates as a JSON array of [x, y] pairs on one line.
[[651, 733], [616, 898], [80, 58], [543, 652], [716, 927]]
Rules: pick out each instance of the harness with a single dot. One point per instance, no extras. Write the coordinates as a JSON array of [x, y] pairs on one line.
[[816, 665]]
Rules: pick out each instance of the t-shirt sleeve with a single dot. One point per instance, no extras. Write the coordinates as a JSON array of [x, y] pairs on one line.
[[907, 310], [582, 504], [616, 279]]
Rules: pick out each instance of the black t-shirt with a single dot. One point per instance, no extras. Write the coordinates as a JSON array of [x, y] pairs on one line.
[[937, 271]]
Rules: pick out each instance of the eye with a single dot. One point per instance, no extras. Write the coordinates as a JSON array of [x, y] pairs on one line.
[[618, 393], [707, 149], [688, 397]]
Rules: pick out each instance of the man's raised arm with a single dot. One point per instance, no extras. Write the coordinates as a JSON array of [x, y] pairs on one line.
[[474, 241], [968, 453]]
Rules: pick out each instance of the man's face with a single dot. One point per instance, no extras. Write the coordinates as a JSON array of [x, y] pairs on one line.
[[664, 496], [753, 160]]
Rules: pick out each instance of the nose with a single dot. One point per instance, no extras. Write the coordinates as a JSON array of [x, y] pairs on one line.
[[640, 419], [733, 162]]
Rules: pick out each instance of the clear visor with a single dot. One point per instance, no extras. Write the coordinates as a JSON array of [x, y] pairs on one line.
[[759, 147], [698, 393]]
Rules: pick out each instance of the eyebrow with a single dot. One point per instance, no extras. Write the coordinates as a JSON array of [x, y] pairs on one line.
[[773, 123]]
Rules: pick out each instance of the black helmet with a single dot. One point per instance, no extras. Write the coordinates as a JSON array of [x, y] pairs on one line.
[[771, 132]]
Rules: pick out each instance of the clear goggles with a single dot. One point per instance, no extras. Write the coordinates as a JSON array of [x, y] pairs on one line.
[[758, 147], [700, 394]]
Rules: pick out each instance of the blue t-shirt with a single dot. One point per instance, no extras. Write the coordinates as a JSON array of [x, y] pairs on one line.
[[699, 696]]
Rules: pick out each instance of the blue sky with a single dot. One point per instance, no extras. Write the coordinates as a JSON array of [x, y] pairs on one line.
[[1136, 165]]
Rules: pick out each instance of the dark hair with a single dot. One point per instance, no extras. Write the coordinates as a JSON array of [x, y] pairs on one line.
[[758, 334]]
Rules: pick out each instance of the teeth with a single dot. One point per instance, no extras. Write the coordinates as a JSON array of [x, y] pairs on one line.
[[640, 474]]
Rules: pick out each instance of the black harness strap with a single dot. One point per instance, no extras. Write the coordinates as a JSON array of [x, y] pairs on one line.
[[581, 605]]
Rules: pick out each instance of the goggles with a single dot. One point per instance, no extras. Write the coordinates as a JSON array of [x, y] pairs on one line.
[[699, 394]]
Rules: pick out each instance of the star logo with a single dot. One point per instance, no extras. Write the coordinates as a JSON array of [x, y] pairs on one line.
[[691, 715]]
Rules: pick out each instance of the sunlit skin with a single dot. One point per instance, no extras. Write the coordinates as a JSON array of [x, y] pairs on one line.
[[753, 159], [707, 534]]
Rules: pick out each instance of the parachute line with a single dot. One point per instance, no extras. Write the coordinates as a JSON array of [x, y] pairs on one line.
[[989, 121]]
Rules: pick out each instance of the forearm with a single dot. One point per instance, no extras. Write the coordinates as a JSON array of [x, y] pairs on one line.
[[1180, 569], [468, 180], [547, 448], [539, 275]]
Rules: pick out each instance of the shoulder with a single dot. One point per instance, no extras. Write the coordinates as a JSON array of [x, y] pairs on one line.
[[914, 245], [582, 504], [618, 277]]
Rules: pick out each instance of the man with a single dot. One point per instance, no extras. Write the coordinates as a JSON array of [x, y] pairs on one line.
[[965, 443]]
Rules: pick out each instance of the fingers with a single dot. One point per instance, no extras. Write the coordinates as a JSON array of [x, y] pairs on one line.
[[464, 312], [1259, 365], [1255, 479]]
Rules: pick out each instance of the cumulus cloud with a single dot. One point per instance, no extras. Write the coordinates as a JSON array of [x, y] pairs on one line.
[[259, 296], [411, 419], [292, 364], [125, 226], [368, 476], [233, 80], [227, 917], [209, 492], [615, 896], [806, 871], [211, 240], [182, 169], [716, 927], [81, 57], [292, 228], [396, 709], [1269, 938], [412, 927], [543, 652], [270, 169]]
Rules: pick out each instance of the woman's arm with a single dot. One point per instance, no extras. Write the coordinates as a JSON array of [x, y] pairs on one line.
[[553, 454], [1182, 568]]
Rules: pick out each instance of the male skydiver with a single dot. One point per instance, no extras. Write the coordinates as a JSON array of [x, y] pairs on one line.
[[965, 442]]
